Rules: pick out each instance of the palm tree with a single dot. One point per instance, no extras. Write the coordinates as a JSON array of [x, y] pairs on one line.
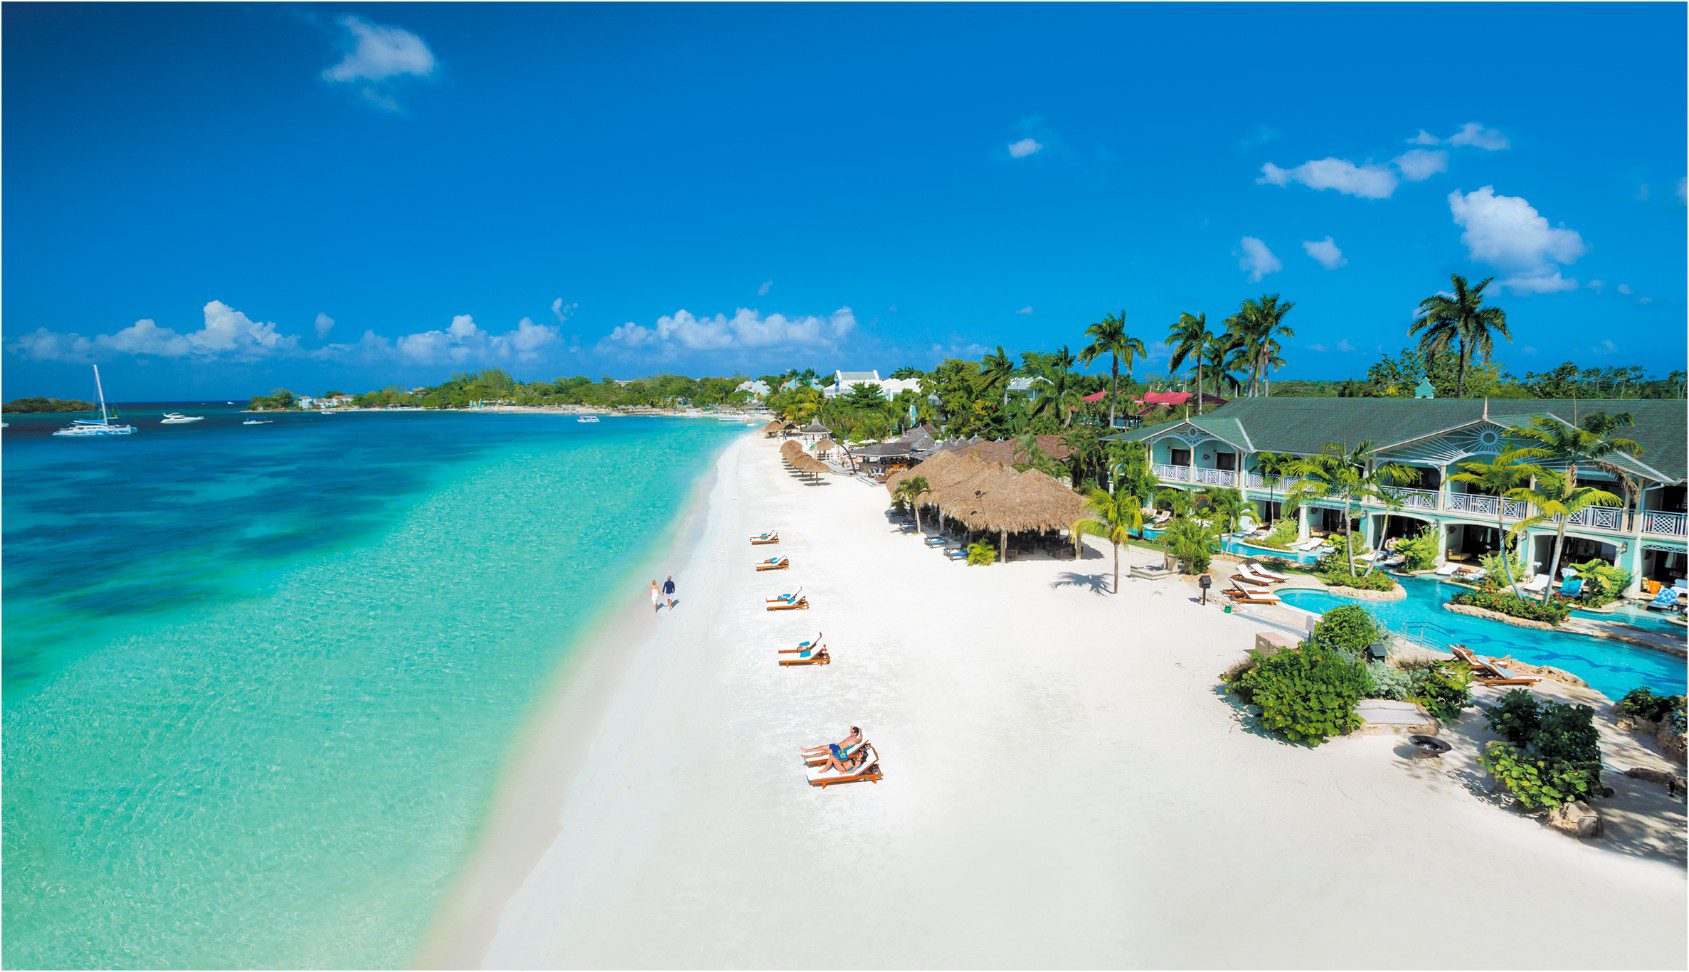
[[1114, 516], [1273, 467], [1108, 336], [1226, 507], [1190, 337], [1058, 391], [1217, 361], [995, 370], [1337, 472], [1256, 329], [1557, 497], [1507, 473], [1558, 444], [913, 491], [1460, 319], [1190, 542]]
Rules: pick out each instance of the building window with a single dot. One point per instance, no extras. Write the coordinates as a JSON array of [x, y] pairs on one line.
[[1179, 457], [1226, 461]]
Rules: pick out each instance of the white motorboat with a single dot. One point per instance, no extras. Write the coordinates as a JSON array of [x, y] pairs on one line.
[[587, 418], [89, 428], [177, 418], [258, 421]]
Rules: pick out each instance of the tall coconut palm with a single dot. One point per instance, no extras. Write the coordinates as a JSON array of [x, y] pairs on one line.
[[1226, 507], [1190, 337], [1274, 467], [1557, 444], [913, 491], [1115, 517], [995, 370], [1557, 497], [1507, 473], [1256, 330], [1059, 390], [1338, 472], [1216, 360], [1108, 336], [1460, 319]]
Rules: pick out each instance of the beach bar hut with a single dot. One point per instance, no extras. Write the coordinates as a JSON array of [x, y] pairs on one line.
[[825, 447], [814, 431]]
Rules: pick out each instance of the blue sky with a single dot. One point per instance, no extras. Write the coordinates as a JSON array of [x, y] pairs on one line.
[[216, 200]]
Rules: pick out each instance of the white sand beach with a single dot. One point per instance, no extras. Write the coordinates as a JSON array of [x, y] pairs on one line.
[[1065, 786]]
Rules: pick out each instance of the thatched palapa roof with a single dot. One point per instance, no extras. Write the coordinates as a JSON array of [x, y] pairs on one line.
[[800, 460], [826, 445], [992, 496], [1010, 451]]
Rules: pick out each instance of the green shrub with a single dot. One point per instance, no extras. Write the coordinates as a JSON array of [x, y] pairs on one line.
[[1192, 543], [1516, 717], [1348, 628], [981, 554], [1419, 549], [1567, 732], [1389, 682], [1642, 703], [1494, 565], [1341, 576], [1307, 695], [1537, 782], [1511, 604], [1603, 583], [1282, 535], [1444, 689]]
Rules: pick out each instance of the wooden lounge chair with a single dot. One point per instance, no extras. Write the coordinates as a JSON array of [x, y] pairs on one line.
[[801, 604], [1251, 595], [784, 597], [802, 645], [868, 770], [819, 657], [772, 536], [774, 563], [1252, 574], [818, 755], [1272, 576], [1487, 672]]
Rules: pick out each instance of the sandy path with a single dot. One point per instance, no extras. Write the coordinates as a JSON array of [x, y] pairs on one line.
[[1064, 787]]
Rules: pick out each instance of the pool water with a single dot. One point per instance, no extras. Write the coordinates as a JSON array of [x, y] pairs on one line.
[[1233, 545], [1636, 617], [1610, 667]]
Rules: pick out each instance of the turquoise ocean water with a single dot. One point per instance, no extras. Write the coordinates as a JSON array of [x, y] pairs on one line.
[[259, 680]]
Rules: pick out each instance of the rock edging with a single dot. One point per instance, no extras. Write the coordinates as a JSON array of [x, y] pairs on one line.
[[1478, 612], [1393, 594]]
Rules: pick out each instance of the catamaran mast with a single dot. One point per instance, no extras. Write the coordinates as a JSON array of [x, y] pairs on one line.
[[102, 393]]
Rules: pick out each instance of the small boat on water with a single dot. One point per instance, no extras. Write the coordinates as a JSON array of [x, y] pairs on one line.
[[587, 418], [258, 421], [90, 428], [177, 418]]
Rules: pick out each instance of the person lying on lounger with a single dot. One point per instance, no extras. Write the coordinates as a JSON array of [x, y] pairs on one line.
[[834, 749], [839, 762]]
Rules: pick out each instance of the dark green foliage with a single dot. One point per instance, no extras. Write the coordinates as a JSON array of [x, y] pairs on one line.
[[1192, 543], [1553, 750], [1642, 703], [1333, 571], [1516, 717], [1419, 549], [1348, 629], [280, 398], [1307, 695], [1444, 689], [1508, 603], [26, 405], [1538, 783]]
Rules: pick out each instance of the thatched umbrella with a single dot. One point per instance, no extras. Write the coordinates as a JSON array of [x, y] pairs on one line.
[[790, 450], [773, 428], [801, 461], [826, 446]]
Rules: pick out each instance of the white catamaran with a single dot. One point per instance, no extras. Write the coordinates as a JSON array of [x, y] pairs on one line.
[[84, 428]]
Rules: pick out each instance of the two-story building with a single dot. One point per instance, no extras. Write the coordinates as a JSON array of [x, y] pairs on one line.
[[1433, 437]]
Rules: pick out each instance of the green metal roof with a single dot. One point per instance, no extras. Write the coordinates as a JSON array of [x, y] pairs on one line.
[[1305, 425]]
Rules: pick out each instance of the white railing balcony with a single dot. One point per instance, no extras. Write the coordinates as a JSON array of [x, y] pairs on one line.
[[1665, 522], [1598, 517], [1281, 485], [1416, 499], [1178, 474], [1480, 504], [1214, 477]]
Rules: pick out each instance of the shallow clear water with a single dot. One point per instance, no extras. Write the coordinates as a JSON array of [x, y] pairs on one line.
[[259, 679], [1611, 667]]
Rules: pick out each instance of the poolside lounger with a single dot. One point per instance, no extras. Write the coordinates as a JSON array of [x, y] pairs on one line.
[[801, 604], [1486, 671], [774, 563], [770, 537], [1251, 574], [802, 645], [1472, 574], [817, 755], [784, 597], [1309, 545], [1537, 585], [1666, 600], [1270, 576], [1570, 588], [1251, 595], [869, 770], [820, 657], [1448, 570]]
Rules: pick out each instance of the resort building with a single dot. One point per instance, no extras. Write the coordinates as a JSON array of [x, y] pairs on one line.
[[844, 381], [758, 389], [1646, 535]]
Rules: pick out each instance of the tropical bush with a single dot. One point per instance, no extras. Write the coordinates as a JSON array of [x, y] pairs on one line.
[[1419, 549], [1341, 575], [1494, 565], [1511, 604], [1552, 753], [1192, 543], [1444, 689], [1603, 583], [1348, 629], [1307, 695], [981, 554], [1389, 682], [1642, 703], [1282, 536]]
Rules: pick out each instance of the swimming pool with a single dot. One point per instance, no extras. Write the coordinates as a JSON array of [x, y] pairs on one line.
[[1233, 545], [1637, 617], [1610, 667]]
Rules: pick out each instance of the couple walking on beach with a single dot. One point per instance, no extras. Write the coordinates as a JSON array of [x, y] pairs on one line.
[[660, 595]]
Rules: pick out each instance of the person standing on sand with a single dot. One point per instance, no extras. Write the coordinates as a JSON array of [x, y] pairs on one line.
[[668, 591], [656, 597]]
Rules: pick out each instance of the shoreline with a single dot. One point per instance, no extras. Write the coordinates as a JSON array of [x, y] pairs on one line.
[[521, 819]]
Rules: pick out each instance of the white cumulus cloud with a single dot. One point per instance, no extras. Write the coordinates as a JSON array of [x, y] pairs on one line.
[[1257, 259], [377, 56], [1367, 181], [1417, 165], [1471, 134], [224, 334], [1508, 233], [462, 342], [324, 324], [1325, 253], [1024, 147], [745, 330], [562, 311]]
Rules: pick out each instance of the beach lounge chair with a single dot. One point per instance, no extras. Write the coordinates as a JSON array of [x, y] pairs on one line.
[[1488, 672], [1571, 588], [774, 563], [869, 770], [1251, 595], [784, 597], [936, 540], [1448, 570], [770, 536], [802, 645], [817, 755], [1270, 576], [1472, 574], [1537, 585], [801, 604], [1308, 545], [818, 657], [1666, 600], [1250, 574]]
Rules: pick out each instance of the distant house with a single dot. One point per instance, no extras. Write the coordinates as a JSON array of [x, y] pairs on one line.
[[794, 383], [756, 388], [844, 381], [891, 386], [1023, 385]]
